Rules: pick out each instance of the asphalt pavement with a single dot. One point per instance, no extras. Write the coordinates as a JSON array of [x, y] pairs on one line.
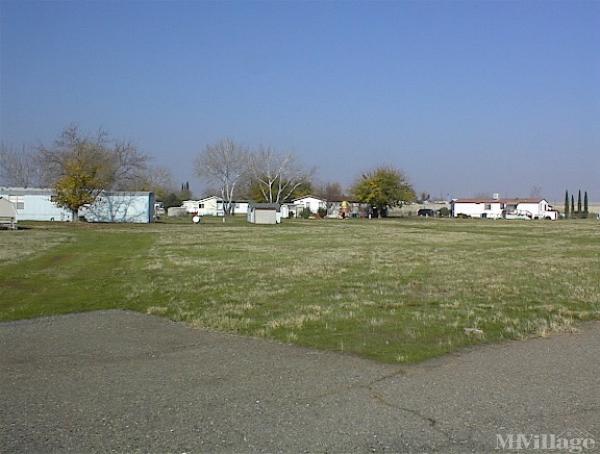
[[116, 381]]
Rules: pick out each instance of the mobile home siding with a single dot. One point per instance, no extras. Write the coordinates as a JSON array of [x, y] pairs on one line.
[[133, 207], [35, 204]]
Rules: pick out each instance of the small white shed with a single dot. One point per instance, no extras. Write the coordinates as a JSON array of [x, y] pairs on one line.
[[264, 213], [8, 213]]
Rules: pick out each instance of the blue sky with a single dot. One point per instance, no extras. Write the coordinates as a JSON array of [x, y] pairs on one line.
[[466, 97]]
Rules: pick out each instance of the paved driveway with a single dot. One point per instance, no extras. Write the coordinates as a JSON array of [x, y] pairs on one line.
[[125, 382]]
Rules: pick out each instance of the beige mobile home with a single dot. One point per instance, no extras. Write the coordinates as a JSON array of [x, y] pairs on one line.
[[8, 214]]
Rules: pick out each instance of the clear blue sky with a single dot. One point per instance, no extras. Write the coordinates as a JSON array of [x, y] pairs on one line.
[[466, 97]]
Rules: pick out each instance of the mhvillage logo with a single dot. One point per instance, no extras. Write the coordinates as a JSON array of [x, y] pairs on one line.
[[571, 440]]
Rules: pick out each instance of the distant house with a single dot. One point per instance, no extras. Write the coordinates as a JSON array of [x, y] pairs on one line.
[[213, 206], [311, 202], [496, 208], [264, 213], [134, 207], [8, 213], [35, 204]]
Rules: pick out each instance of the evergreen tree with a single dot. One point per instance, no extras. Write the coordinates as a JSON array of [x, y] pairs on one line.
[[585, 205], [566, 204], [579, 212], [572, 206]]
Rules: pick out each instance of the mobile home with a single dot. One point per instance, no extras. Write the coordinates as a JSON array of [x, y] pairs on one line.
[[35, 204], [8, 214], [496, 208], [134, 207]]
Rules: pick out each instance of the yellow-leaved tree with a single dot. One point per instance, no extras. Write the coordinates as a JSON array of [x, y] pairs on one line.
[[382, 188], [80, 167]]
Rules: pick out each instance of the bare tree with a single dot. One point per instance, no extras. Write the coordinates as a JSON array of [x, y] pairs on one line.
[[79, 167], [155, 179], [123, 165], [535, 192], [130, 165], [277, 175], [331, 191], [224, 164], [19, 167]]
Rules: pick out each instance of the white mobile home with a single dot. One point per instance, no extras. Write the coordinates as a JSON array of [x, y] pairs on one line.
[[213, 206], [35, 204], [8, 214], [310, 202], [264, 213], [496, 208]]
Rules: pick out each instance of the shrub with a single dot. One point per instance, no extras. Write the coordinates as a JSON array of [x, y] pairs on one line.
[[444, 212], [305, 213], [322, 212]]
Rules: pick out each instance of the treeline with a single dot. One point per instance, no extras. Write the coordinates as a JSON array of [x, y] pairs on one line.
[[582, 212], [79, 166], [267, 175]]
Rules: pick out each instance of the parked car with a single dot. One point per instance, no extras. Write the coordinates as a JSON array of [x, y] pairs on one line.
[[426, 212]]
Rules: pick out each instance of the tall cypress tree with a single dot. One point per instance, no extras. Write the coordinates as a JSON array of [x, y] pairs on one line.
[[585, 205], [579, 204], [572, 206], [566, 203]]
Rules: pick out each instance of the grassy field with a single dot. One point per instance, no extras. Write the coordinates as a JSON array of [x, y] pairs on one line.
[[393, 290]]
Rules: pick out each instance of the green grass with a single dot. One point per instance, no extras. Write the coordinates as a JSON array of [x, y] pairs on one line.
[[393, 290]]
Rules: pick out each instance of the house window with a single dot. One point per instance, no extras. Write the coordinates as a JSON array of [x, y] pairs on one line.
[[488, 206], [20, 205], [200, 205]]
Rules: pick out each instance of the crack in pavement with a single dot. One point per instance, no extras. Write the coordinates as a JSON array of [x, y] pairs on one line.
[[430, 421]]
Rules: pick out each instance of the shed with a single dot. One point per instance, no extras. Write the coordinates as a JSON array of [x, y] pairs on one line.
[[264, 213], [8, 213]]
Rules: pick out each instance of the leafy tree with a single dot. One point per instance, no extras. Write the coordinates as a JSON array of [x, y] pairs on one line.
[[383, 187], [444, 212], [566, 204], [80, 167], [586, 211], [86, 174], [171, 200], [579, 212], [305, 213]]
